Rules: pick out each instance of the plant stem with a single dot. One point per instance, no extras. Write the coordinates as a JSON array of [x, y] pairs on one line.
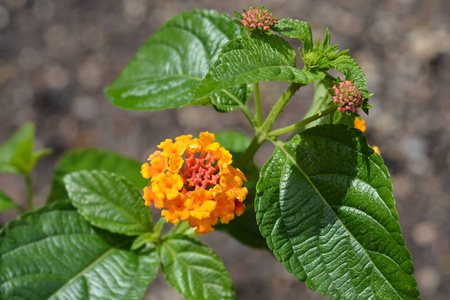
[[257, 104], [262, 131], [278, 108], [20, 208], [302, 122], [29, 192], [247, 157]]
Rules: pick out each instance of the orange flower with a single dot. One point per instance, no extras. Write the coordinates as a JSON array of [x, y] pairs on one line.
[[376, 149], [201, 188], [361, 125]]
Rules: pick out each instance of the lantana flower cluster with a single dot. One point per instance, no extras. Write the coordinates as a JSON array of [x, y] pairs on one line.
[[258, 18], [348, 96], [200, 188]]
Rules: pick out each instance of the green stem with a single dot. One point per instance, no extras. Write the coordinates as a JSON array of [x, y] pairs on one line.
[[278, 108], [302, 122], [247, 157], [20, 208], [262, 131], [257, 104], [29, 192]]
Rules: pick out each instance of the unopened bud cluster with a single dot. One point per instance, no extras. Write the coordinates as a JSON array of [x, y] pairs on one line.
[[258, 18], [348, 96]]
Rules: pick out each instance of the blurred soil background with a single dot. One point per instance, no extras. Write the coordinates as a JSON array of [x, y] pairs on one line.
[[56, 56]]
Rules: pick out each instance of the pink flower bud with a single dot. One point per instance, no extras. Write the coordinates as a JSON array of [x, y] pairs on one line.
[[348, 96]]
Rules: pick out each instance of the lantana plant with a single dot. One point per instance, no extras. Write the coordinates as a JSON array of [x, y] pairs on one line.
[[322, 203]]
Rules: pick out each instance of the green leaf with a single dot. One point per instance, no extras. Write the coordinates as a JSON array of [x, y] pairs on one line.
[[326, 208], [254, 58], [92, 159], [15, 153], [194, 270], [234, 141], [53, 253], [6, 203], [352, 71], [167, 69], [228, 100], [109, 201], [296, 29]]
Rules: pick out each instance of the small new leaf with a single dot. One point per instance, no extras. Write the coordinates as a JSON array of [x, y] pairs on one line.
[[296, 29]]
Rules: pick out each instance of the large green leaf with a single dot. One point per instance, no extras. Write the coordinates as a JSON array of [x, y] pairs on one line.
[[171, 64], [194, 270], [326, 208], [6, 203], [296, 29], [55, 254], [93, 159], [254, 58], [109, 202]]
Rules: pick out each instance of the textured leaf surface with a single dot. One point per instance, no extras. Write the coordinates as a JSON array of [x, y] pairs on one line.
[[326, 208], [255, 58], [56, 254], [296, 29], [109, 202], [171, 64], [194, 270], [93, 159]]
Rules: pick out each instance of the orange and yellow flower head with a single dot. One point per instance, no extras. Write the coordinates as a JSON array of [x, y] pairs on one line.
[[193, 180]]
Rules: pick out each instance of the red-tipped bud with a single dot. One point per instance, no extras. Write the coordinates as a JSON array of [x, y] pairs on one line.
[[348, 96]]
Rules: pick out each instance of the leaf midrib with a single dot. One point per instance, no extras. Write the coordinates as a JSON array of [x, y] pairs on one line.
[[281, 146], [140, 222], [103, 256], [187, 266]]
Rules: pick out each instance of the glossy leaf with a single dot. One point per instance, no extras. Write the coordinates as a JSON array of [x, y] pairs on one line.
[[227, 100], [194, 270], [93, 159], [6, 203], [296, 29], [109, 201], [167, 69], [255, 58], [55, 254], [326, 208]]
